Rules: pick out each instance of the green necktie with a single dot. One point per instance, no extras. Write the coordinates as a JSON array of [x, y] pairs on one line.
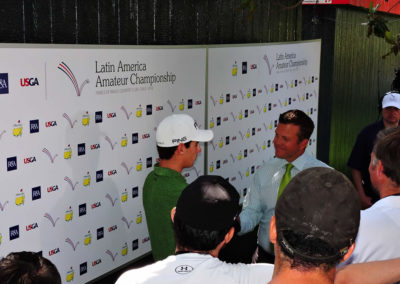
[[285, 179]]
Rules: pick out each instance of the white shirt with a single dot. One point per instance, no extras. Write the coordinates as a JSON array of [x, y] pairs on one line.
[[194, 268], [379, 233]]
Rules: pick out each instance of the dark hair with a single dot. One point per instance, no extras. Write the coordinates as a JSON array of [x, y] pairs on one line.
[[387, 150], [28, 268], [310, 246], [194, 239], [297, 117], [166, 153]]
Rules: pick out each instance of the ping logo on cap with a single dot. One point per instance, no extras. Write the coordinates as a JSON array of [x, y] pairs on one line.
[[179, 140]]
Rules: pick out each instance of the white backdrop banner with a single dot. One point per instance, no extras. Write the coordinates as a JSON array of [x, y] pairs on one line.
[[248, 87], [77, 136], [77, 140]]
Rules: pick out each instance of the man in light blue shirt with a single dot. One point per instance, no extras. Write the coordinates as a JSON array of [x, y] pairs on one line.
[[290, 142]]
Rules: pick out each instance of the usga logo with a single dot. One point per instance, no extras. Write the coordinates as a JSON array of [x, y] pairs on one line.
[[112, 172], [158, 108], [94, 146], [145, 136], [54, 251], [50, 123], [96, 204], [32, 226], [29, 160], [52, 188], [112, 228], [25, 82], [111, 115], [96, 262], [145, 240]]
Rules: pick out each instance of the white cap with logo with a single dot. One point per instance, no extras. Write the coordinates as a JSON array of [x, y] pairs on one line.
[[391, 100], [180, 128]]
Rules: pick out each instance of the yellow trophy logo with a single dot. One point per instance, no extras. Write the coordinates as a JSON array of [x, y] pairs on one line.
[[124, 250], [139, 165], [248, 94], [124, 196], [211, 168], [248, 133], [139, 111], [86, 180], [270, 126], [70, 275], [285, 104], [264, 146], [67, 152], [265, 108], [221, 99], [124, 141], [182, 105], [69, 214], [221, 143], [87, 239], [234, 69], [240, 115], [139, 218], [272, 88], [212, 123], [247, 172], [0, 239], [240, 156], [17, 131], [20, 198], [85, 119]]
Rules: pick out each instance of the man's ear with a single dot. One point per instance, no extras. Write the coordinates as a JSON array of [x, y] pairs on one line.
[[229, 235], [349, 252], [180, 149], [173, 214], [272, 230], [303, 143]]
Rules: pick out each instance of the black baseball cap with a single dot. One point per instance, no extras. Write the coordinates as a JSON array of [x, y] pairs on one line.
[[209, 203], [319, 203]]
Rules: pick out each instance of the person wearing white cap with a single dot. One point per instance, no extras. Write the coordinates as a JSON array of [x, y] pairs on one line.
[[360, 156], [177, 138]]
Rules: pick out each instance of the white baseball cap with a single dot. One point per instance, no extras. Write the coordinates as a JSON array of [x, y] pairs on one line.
[[180, 128], [391, 100]]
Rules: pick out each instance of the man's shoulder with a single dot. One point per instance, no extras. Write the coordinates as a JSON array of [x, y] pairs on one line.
[[372, 129]]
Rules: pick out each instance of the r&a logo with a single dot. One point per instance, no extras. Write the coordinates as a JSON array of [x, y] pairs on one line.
[[83, 268], [81, 149], [36, 193], [135, 244], [82, 209], [135, 138], [149, 109], [98, 116], [14, 232], [135, 192], [25, 82], [100, 233], [149, 162], [3, 83], [99, 176], [34, 126]]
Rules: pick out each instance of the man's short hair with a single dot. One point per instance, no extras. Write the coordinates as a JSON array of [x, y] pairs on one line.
[[206, 210], [387, 150], [317, 218], [166, 153], [297, 117], [28, 268]]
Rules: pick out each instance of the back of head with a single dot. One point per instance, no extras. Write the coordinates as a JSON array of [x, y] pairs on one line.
[[317, 218], [206, 210], [28, 268], [387, 150], [299, 118]]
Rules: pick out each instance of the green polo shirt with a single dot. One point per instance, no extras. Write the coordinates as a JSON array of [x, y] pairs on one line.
[[161, 191]]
